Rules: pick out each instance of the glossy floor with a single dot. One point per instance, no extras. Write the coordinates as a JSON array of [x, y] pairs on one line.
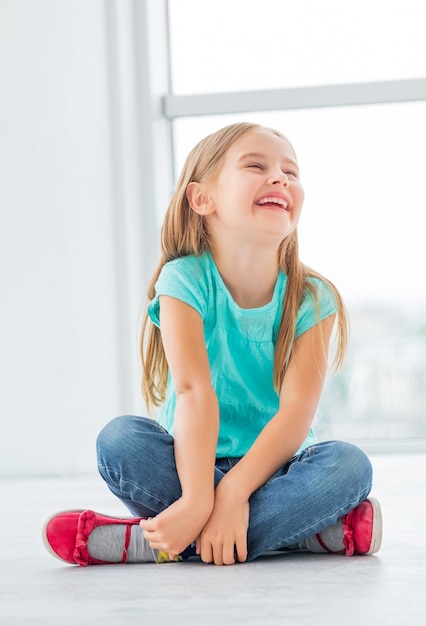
[[389, 588]]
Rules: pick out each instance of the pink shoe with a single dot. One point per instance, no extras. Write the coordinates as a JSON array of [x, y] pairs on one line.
[[362, 532], [362, 528], [65, 535]]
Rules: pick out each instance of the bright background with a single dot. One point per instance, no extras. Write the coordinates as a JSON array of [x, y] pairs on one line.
[[362, 168], [235, 45], [74, 261]]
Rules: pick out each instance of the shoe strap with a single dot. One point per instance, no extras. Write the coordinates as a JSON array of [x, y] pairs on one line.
[[126, 543]]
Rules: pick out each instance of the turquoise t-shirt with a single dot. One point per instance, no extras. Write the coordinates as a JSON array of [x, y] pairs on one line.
[[240, 347]]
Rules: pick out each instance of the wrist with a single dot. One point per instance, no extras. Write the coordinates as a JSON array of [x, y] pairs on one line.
[[233, 486], [201, 505]]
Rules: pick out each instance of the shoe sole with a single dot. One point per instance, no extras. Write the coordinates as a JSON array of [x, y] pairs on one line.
[[376, 534]]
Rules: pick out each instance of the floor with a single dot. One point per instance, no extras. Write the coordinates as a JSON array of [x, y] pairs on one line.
[[389, 588]]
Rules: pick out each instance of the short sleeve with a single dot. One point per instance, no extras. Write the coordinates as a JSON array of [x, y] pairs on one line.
[[308, 311], [183, 279]]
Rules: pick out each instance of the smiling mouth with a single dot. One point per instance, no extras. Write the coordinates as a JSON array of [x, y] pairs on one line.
[[273, 202]]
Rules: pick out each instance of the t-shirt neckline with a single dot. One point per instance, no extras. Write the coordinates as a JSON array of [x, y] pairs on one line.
[[241, 310]]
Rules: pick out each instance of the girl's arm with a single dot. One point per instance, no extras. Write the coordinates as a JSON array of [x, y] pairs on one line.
[[196, 429], [274, 447], [299, 397]]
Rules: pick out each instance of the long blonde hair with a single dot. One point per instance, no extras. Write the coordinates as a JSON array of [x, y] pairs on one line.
[[184, 232]]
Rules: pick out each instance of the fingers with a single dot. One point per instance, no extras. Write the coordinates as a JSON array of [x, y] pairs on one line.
[[149, 528], [156, 538], [151, 534], [206, 552], [241, 550], [228, 554], [223, 553], [222, 550], [148, 524]]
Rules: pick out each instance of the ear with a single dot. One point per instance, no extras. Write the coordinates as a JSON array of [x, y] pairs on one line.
[[199, 199]]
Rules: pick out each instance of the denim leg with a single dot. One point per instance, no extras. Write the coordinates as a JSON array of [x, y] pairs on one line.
[[327, 480], [136, 459], [311, 492]]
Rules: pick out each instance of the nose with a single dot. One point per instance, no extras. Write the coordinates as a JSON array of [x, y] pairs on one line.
[[279, 178]]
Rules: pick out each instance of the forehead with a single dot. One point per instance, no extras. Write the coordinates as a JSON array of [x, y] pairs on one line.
[[262, 142]]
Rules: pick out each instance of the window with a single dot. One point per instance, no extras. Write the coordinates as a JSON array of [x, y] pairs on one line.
[[243, 44], [362, 168]]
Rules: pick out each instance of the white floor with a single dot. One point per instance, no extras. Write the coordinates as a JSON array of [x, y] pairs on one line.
[[386, 589]]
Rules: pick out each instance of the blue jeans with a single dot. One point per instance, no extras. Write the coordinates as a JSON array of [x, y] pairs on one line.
[[315, 488]]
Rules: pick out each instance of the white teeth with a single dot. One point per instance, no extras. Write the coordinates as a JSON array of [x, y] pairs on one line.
[[273, 199]]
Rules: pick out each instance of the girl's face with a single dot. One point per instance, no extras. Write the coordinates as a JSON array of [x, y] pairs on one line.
[[257, 192]]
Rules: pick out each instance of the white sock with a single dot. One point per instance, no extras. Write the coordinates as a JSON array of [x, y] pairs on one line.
[[106, 543], [332, 537]]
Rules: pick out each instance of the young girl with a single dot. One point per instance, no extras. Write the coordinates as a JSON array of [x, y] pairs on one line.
[[234, 349]]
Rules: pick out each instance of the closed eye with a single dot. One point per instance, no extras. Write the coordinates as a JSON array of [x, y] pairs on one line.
[[262, 168]]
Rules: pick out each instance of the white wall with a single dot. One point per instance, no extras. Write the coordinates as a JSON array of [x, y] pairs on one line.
[[63, 357]]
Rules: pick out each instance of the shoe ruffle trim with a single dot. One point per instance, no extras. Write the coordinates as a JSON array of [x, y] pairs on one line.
[[348, 535], [87, 521]]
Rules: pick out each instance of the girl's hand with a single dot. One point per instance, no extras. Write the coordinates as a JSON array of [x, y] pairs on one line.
[[174, 529], [223, 539]]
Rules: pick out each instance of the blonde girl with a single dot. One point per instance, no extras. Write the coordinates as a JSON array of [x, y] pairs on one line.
[[234, 350]]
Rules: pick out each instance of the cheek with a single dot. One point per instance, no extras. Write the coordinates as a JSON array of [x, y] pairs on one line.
[[299, 195]]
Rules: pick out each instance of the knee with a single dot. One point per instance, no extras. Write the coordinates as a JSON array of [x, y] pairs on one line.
[[112, 438], [129, 438], [353, 463]]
